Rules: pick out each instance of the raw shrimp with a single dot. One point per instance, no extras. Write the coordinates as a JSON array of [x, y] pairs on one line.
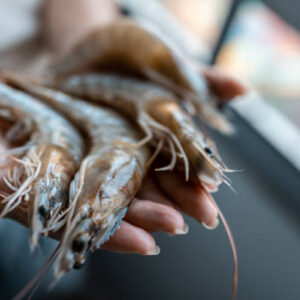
[[149, 105], [157, 112], [108, 179], [45, 165], [125, 46]]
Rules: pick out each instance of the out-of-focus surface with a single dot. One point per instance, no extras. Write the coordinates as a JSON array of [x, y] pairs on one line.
[[18, 21], [260, 48], [154, 15], [264, 50], [20, 46], [204, 18]]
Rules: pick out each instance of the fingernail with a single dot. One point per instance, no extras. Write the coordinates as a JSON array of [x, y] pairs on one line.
[[212, 226], [181, 231], [156, 251]]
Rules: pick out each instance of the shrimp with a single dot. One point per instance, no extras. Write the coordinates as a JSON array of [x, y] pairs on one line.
[[157, 112], [45, 165], [125, 46], [109, 177]]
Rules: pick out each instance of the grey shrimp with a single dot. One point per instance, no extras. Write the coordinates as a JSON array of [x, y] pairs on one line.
[[45, 165], [125, 46], [157, 112], [108, 179]]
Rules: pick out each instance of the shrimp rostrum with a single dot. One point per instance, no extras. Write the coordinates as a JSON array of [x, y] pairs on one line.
[[42, 170], [125, 46], [108, 179], [159, 114]]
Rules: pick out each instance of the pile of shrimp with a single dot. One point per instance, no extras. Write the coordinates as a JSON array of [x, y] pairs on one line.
[[95, 122]]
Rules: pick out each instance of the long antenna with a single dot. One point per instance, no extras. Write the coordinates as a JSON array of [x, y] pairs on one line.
[[232, 244]]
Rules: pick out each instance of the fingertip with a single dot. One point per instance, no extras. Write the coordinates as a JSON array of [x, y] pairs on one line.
[[182, 231], [171, 221], [155, 251], [154, 216], [207, 211], [131, 239], [226, 87], [191, 198], [213, 225]]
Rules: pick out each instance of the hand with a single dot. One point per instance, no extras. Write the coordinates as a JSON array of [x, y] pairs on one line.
[[157, 206]]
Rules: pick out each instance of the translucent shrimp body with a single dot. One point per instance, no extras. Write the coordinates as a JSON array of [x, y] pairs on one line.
[[46, 164], [125, 46], [157, 112], [109, 177]]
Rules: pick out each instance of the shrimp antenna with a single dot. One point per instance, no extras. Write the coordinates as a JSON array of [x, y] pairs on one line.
[[232, 243], [228, 183], [36, 280]]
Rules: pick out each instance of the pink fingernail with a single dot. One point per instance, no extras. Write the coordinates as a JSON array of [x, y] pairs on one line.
[[212, 226], [181, 231], [156, 251]]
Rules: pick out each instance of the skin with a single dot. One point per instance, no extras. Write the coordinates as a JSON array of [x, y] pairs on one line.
[[157, 206]]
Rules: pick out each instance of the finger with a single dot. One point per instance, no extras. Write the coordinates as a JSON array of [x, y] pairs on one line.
[[153, 217], [131, 239], [189, 197], [61, 31], [224, 86], [150, 191]]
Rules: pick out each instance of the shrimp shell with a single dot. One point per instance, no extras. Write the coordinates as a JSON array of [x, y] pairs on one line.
[[43, 174], [108, 179], [158, 114], [125, 46]]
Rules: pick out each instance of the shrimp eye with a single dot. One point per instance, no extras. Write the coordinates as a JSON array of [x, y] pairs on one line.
[[209, 151], [43, 212], [78, 244], [77, 265]]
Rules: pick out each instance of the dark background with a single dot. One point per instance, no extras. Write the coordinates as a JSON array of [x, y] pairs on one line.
[[263, 215], [288, 9]]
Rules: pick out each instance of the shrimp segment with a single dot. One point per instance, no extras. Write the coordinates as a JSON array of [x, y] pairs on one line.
[[157, 112], [42, 175], [108, 179], [125, 46]]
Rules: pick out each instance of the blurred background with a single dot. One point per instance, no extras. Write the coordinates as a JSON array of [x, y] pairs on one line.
[[259, 43]]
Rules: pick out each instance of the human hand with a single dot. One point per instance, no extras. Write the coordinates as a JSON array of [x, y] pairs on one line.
[[157, 206]]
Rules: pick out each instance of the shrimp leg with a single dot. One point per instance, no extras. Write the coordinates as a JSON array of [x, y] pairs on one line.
[[42, 175]]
